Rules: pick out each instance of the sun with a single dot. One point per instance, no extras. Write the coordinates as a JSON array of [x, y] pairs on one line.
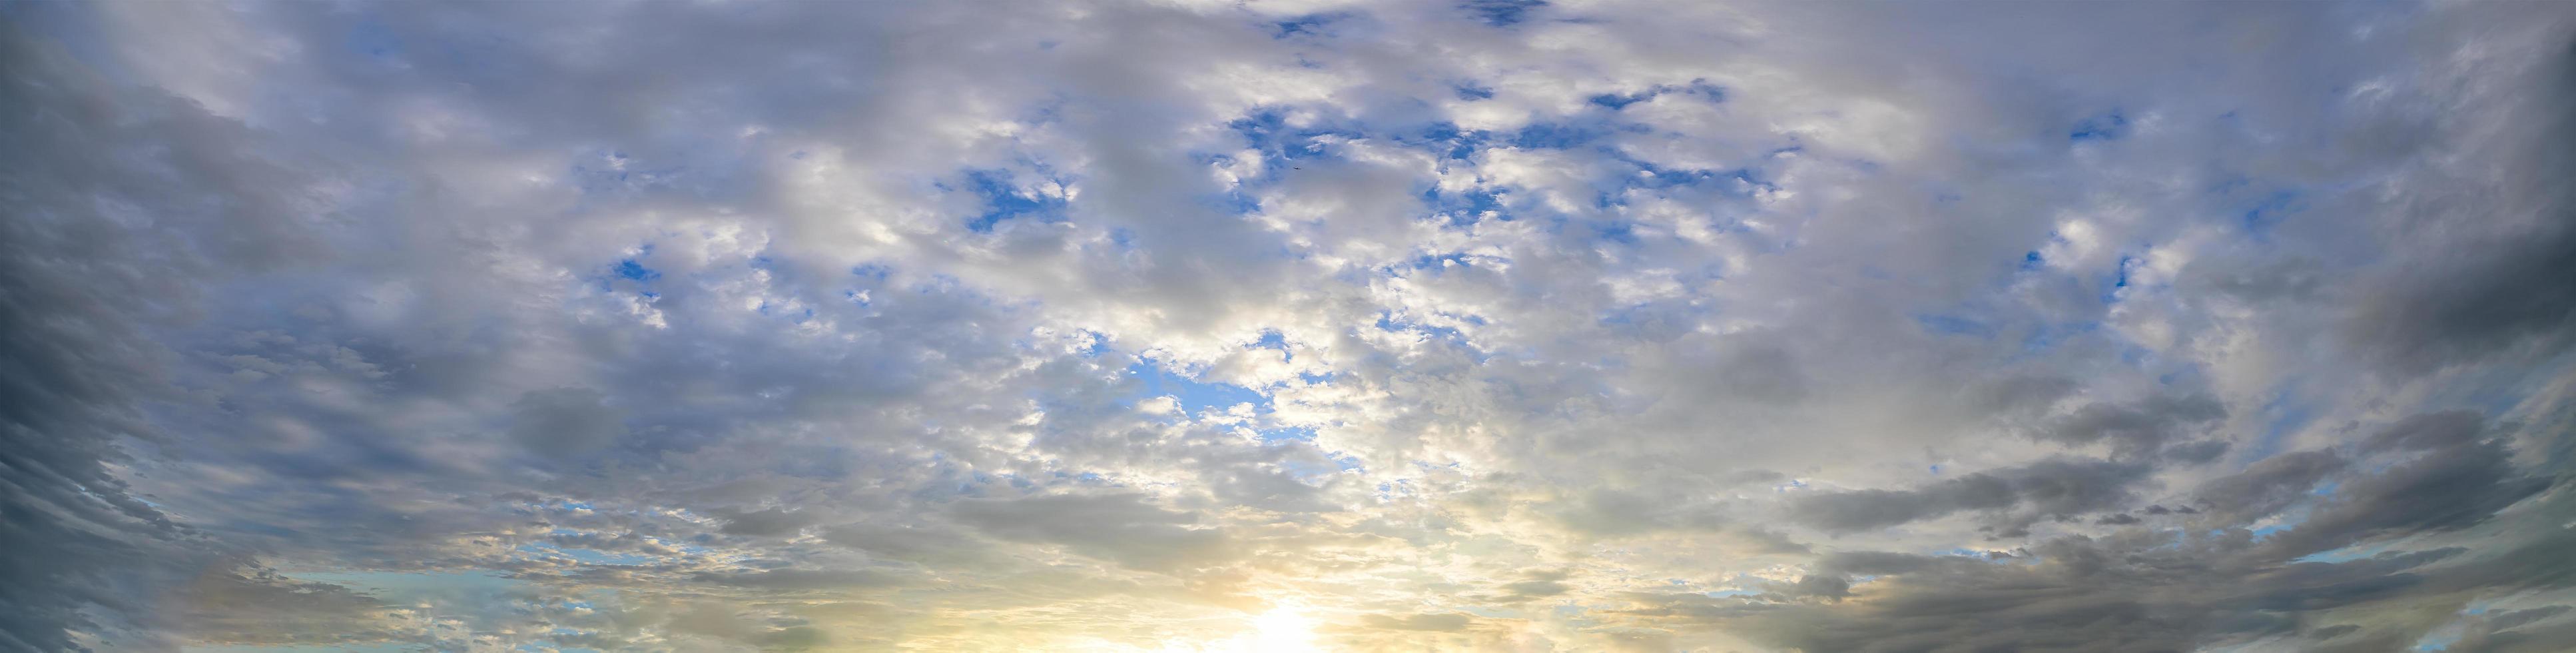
[[1284, 629]]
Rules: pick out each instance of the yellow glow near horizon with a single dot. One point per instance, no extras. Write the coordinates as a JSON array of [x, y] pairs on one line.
[[1284, 629]]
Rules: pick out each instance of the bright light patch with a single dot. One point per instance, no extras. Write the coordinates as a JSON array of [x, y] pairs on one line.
[[1282, 630]]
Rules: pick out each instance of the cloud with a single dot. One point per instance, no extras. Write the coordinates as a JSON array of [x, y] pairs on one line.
[[774, 521], [2050, 488], [564, 421], [2133, 429], [2142, 589], [2516, 295], [1415, 325], [1123, 528], [2267, 486], [88, 555], [791, 580], [266, 609], [1436, 622]]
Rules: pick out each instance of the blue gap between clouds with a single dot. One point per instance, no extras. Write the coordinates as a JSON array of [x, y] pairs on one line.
[[1193, 394], [632, 272], [1199, 397], [2259, 213], [1465, 208], [1004, 200], [1284, 147], [1267, 131], [2260, 218], [1659, 178], [1281, 147], [635, 271], [1699, 87], [1314, 24], [2107, 126], [1501, 13], [1452, 336], [1458, 144], [2119, 279]]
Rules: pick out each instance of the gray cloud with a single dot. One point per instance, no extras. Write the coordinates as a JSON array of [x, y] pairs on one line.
[[1124, 528], [2148, 590], [2267, 486], [265, 609], [1435, 622], [2515, 293], [78, 365], [2137, 428], [564, 421], [2050, 488], [774, 521]]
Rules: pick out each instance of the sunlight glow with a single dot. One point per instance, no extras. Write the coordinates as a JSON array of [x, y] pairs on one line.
[[1283, 629]]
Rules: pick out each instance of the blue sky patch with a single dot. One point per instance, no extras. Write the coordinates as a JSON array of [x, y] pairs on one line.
[[1310, 24], [634, 271], [1558, 136], [1698, 87], [1447, 140], [1268, 131], [1193, 394], [2259, 218], [1467, 207], [2109, 126], [1501, 13], [1004, 200]]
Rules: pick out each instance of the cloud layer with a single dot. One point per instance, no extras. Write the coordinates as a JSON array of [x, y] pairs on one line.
[[1495, 325]]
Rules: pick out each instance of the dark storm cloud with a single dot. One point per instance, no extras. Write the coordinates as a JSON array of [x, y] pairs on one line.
[[2135, 428], [2059, 487], [2456, 484], [2267, 486], [2519, 290], [2146, 590], [2067, 594], [115, 202]]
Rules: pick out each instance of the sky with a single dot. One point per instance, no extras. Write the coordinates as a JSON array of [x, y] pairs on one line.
[[1286, 325]]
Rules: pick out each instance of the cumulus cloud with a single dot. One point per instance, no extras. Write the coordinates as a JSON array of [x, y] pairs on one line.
[[1384, 326]]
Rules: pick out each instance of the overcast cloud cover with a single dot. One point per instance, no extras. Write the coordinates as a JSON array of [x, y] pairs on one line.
[[1275, 324]]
